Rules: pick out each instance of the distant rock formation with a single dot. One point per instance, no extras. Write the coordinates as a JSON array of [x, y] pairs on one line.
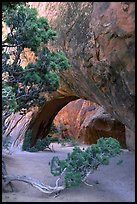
[[86, 121]]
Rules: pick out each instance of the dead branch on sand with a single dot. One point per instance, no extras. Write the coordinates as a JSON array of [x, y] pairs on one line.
[[35, 183]]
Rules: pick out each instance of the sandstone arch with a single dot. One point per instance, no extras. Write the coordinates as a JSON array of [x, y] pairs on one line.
[[99, 40]]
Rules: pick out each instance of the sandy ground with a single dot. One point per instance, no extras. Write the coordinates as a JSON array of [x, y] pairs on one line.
[[111, 183]]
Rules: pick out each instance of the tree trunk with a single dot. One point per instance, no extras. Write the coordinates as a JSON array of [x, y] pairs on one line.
[[6, 187]]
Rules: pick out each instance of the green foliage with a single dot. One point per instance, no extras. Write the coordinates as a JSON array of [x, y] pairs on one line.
[[80, 162], [58, 61], [55, 139], [27, 30], [53, 129], [30, 30], [26, 141], [72, 180], [8, 97], [55, 166], [10, 6], [40, 145]]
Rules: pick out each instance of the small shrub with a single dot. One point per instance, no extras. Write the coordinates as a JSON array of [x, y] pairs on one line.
[[33, 149], [54, 139], [26, 141], [53, 128], [40, 145]]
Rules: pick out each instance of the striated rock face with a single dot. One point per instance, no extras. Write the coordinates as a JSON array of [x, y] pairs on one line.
[[99, 40], [86, 121], [16, 127]]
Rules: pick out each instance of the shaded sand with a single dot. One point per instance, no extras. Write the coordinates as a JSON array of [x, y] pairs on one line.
[[111, 183]]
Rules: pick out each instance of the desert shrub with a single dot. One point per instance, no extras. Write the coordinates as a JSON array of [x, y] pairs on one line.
[[26, 141], [55, 139], [53, 128], [80, 163], [40, 145]]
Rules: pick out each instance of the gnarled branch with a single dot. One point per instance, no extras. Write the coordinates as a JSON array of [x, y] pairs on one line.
[[35, 183]]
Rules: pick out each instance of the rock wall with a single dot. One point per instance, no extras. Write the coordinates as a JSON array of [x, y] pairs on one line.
[[16, 127], [86, 122], [130, 139], [99, 40]]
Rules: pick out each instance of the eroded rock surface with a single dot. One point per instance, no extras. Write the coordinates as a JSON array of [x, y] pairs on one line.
[[99, 40], [16, 127], [86, 121]]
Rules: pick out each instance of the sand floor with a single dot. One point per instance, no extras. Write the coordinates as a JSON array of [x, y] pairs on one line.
[[111, 183]]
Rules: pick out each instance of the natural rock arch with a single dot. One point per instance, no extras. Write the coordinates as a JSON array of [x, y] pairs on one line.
[[99, 41]]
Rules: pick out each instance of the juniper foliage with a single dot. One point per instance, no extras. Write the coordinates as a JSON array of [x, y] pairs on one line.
[[27, 30], [80, 162]]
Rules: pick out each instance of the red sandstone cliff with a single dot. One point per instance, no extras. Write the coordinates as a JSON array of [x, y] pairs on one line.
[[99, 41]]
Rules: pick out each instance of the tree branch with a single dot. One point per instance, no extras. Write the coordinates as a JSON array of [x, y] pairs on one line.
[[17, 56], [57, 181], [9, 45], [35, 183], [23, 72]]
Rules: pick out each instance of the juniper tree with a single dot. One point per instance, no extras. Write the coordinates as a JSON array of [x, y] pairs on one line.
[[79, 164], [76, 168], [22, 85], [27, 30]]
